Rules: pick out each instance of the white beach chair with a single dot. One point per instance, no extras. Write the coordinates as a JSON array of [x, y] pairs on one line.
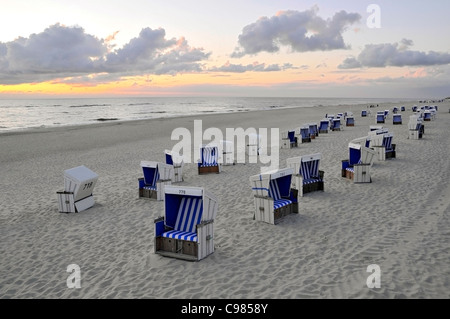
[[313, 130], [306, 177], [305, 135], [254, 144], [77, 195], [177, 162], [350, 121], [186, 231], [397, 119], [357, 167], [271, 193], [416, 128], [156, 176], [324, 125], [387, 149], [288, 139]]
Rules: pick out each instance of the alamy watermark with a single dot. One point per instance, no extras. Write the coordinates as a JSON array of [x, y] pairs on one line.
[[249, 146], [74, 279], [374, 280]]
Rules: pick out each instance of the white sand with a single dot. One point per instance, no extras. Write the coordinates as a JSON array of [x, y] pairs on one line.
[[399, 222]]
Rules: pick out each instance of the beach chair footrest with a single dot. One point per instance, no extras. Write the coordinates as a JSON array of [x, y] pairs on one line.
[[176, 248], [208, 169]]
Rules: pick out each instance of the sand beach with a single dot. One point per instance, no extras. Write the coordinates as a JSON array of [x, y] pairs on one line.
[[400, 221]]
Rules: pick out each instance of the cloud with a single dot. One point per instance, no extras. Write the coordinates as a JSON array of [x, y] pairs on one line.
[[301, 31], [254, 67], [396, 54], [61, 51]]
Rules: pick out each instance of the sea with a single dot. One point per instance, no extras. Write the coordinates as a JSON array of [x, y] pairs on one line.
[[23, 114]]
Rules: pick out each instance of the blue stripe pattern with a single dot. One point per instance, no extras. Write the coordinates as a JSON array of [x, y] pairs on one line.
[[274, 192], [189, 216], [210, 156]]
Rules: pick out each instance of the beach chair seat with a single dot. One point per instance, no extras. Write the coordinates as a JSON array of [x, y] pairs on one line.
[[156, 176], [178, 163], [358, 166], [288, 139], [209, 160], [307, 177], [186, 231], [271, 193], [79, 183]]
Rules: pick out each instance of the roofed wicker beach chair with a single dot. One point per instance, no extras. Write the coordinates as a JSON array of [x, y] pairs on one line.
[[156, 176], [387, 149], [324, 125], [381, 117], [186, 231], [209, 159], [79, 183], [305, 136], [350, 121], [357, 167], [363, 113], [313, 130], [288, 139], [336, 124], [416, 128], [427, 115], [177, 162], [306, 177], [397, 119], [271, 192]]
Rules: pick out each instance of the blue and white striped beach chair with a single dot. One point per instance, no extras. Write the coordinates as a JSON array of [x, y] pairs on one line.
[[177, 162], [77, 195], [307, 177], [156, 176], [209, 159], [271, 192], [357, 167], [187, 229]]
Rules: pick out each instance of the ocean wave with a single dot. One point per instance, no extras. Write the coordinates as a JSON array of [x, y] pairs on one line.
[[137, 104], [102, 119], [90, 105]]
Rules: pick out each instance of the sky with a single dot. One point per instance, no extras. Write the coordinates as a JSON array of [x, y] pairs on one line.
[[283, 48]]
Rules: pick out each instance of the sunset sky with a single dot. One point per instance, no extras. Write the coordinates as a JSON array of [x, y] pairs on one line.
[[353, 48]]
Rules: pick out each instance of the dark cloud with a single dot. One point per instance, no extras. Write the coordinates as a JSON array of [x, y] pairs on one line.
[[396, 54], [61, 51], [301, 31]]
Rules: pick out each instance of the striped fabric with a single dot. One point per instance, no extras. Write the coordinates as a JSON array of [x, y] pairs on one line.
[[351, 168], [189, 216], [274, 192], [210, 156], [387, 142], [310, 171]]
